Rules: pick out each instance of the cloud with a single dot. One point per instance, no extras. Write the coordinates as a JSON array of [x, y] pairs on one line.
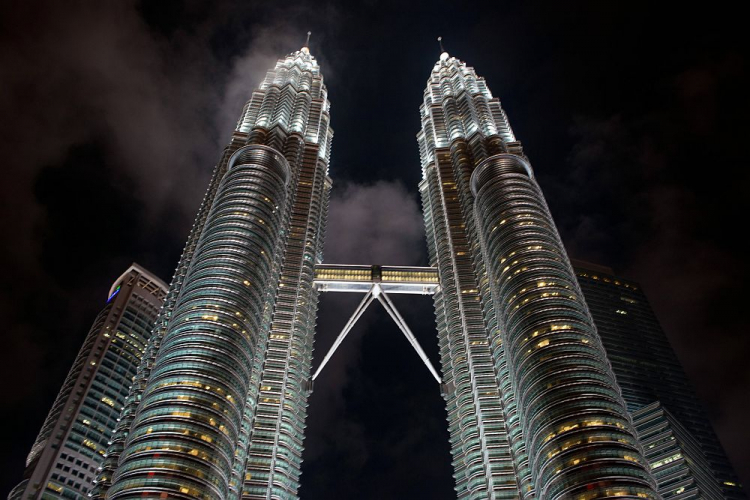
[[162, 106], [379, 223]]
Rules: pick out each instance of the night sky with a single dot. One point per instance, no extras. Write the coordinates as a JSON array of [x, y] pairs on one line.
[[634, 116]]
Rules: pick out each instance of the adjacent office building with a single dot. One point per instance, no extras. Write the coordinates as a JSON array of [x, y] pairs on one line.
[[73, 441], [677, 461], [685, 454]]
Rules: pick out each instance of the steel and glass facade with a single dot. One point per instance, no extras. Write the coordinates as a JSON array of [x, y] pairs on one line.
[[73, 440], [219, 402], [294, 99], [654, 385], [676, 458], [534, 410]]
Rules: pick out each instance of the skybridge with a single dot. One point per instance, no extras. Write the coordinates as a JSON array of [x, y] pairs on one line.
[[391, 279], [376, 283]]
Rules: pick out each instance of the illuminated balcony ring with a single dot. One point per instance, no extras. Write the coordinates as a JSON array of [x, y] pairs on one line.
[[490, 166], [257, 154]]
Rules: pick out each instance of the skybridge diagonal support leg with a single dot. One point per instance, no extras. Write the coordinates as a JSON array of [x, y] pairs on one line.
[[393, 312], [366, 301]]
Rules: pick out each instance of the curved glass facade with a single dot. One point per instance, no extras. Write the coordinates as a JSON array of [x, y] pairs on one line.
[[460, 121], [533, 408], [577, 429], [183, 438], [218, 404], [290, 108]]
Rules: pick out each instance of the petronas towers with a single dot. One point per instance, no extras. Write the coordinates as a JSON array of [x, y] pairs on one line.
[[218, 405]]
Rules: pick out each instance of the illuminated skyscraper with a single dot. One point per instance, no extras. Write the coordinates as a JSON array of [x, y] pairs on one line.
[[218, 404], [70, 447], [686, 456], [231, 352], [533, 407]]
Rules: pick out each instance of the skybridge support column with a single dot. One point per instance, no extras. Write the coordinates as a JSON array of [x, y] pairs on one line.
[[393, 312], [376, 291], [366, 301]]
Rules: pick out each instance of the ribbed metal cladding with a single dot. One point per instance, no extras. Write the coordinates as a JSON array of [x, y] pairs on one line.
[[580, 441], [289, 116], [291, 111], [183, 438], [481, 461], [275, 455], [114, 451], [461, 122]]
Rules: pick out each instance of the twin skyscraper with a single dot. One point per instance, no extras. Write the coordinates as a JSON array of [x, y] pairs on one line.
[[218, 403]]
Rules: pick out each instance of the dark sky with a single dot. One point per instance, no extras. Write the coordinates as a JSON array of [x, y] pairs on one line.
[[634, 115]]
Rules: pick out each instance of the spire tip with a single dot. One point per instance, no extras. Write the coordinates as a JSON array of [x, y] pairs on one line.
[[305, 48], [443, 53]]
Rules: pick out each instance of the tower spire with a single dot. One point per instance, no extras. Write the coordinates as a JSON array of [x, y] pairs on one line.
[[443, 54], [306, 47]]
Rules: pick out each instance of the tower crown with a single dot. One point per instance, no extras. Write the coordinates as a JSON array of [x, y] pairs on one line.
[[458, 105], [292, 99]]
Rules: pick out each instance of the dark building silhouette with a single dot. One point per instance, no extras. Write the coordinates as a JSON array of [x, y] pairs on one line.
[[656, 389]]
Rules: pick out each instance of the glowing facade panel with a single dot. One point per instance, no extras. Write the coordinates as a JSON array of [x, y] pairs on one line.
[[480, 435], [190, 416], [393, 279]]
